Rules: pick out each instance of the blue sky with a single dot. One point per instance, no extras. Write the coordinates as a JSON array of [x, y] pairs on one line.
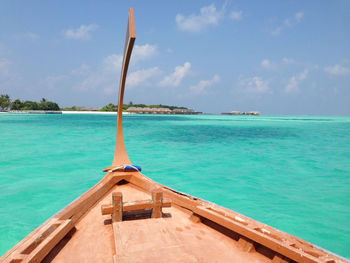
[[277, 57]]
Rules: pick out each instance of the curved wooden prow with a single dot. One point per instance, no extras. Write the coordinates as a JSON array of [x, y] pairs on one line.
[[120, 156]]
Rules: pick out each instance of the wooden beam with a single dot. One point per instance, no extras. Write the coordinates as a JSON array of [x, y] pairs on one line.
[[117, 203], [118, 207], [246, 245], [157, 197], [275, 245], [132, 206], [279, 259], [42, 249]]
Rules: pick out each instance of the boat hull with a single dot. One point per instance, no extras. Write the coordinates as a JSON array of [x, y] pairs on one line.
[[192, 230]]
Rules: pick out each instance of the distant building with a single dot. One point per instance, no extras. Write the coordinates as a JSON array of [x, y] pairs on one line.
[[83, 108], [94, 109], [147, 110], [241, 113]]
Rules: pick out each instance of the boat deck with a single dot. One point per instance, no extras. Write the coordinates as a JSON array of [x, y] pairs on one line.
[[133, 229], [173, 238]]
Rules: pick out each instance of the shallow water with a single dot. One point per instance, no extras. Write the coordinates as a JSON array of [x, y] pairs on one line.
[[290, 172]]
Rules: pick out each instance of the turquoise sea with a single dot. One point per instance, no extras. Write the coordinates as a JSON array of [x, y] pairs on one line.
[[291, 172]]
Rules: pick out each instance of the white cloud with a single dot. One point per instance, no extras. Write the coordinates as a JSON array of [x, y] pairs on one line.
[[144, 52], [236, 15], [81, 33], [2, 49], [105, 76], [112, 63], [10, 80], [4, 66], [254, 85], [5, 72], [268, 65], [200, 88], [194, 23], [288, 61], [31, 35], [83, 70], [51, 82], [141, 76], [293, 83], [299, 16], [289, 22], [337, 70], [175, 78], [28, 35], [276, 31], [96, 80]]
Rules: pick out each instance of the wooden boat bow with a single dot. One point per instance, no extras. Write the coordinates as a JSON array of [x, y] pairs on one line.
[[120, 156]]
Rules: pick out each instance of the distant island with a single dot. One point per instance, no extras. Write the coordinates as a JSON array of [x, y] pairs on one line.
[[45, 106], [18, 105], [241, 113]]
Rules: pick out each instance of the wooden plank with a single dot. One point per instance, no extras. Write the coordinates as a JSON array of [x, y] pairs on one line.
[[34, 239], [49, 242], [117, 203], [132, 206], [280, 247], [143, 182], [194, 218], [157, 197], [279, 259], [16, 258], [141, 205], [84, 202], [188, 202], [246, 245], [117, 242]]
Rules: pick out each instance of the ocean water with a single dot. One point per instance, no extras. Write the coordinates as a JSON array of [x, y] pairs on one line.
[[291, 172]]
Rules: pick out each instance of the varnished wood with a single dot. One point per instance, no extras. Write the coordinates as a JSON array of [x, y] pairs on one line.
[[246, 245], [132, 206], [157, 197], [287, 246], [37, 247], [117, 206], [121, 157]]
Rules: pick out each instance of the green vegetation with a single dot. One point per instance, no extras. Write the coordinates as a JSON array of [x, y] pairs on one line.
[[166, 106], [45, 105], [112, 107], [73, 108], [4, 102], [33, 105]]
